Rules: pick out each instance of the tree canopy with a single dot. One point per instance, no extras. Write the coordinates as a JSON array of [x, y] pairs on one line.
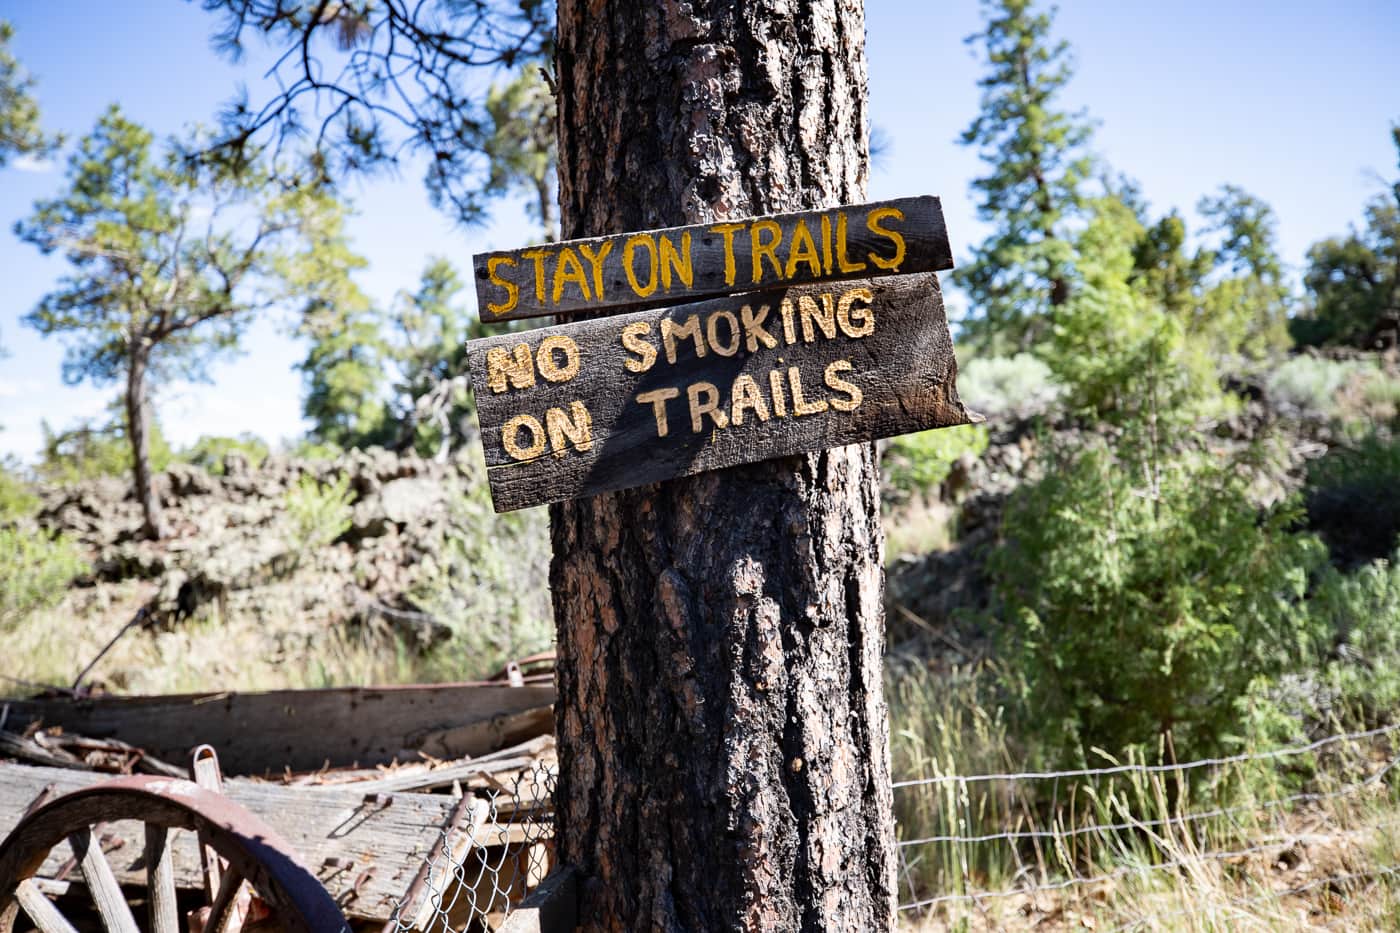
[[170, 259], [369, 82], [20, 130], [1039, 162]]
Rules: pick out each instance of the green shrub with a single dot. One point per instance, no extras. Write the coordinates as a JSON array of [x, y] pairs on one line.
[[919, 461], [35, 568], [488, 581], [1143, 601], [1019, 386], [1353, 499], [1310, 384], [88, 451], [319, 512], [17, 498], [209, 451], [1362, 610]]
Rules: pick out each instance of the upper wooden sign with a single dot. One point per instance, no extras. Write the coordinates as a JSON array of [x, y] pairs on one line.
[[684, 263], [590, 406]]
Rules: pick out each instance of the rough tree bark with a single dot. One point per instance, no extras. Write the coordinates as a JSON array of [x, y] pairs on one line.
[[138, 434], [722, 724]]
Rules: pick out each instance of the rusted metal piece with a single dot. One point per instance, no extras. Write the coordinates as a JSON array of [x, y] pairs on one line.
[[252, 848], [532, 669], [467, 810]]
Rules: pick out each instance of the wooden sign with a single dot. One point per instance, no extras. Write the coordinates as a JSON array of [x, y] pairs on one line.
[[685, 263], [596, 405]]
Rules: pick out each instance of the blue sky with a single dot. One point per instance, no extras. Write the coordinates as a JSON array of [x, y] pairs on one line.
[[1292, 100]]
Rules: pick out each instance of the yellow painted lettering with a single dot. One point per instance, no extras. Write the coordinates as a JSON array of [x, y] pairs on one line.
[[596, 261], [569, 269], [657, 399], [512, 290], [510, 437], [672, 332], [836, 383], [708, 406], [842, 262], [728, 231], [629, 259], [801, 250], [746, 395], [537, 256], [894, 236], [515, 366], [633, 340], [758, 250], [676, 262], [549, 367], [574, 427], [826, 243]]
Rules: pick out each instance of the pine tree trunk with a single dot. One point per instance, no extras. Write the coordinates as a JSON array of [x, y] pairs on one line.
[[138, 431], [722, 726]]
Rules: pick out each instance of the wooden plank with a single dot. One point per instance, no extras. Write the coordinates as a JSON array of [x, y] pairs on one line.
[[383, 843], [552, 908], [265, 733], [643, 397], [655, 267]]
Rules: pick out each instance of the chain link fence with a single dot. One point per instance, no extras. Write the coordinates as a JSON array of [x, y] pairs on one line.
[[497, 846]]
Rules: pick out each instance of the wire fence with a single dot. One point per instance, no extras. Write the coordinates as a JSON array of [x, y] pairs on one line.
[[497, 847], [1136, 835], [499, 844]]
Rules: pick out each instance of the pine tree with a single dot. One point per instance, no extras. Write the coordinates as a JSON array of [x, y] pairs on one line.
[[1353, 281], [522, 146], [170, 260], [20, 131], [1039, 163]]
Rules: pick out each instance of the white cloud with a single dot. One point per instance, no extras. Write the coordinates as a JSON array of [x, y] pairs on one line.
[[29, 163]]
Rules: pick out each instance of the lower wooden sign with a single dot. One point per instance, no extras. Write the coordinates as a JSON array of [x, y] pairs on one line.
[[610, 403]]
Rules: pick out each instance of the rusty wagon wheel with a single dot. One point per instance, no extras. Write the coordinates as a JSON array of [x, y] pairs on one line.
[[252, 852]]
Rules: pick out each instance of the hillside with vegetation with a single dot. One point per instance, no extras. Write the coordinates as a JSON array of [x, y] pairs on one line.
[[1175, 537]]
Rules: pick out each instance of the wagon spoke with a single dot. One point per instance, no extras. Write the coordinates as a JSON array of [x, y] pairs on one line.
[[160, 880], [225, 915], [106, 893], [40, 909]]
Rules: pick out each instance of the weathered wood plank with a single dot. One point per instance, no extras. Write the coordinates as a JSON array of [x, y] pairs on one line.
[[102, 883], [653, 267], [261, 733], [382, 843], [582, 408], [552, 908]]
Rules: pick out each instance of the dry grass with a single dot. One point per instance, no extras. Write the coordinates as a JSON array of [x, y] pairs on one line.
[[1138, 851], [237, 653]]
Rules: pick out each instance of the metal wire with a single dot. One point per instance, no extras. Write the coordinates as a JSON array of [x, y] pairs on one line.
[[1150, 769], [1172, 860], [500, 848], [1185, 819]]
